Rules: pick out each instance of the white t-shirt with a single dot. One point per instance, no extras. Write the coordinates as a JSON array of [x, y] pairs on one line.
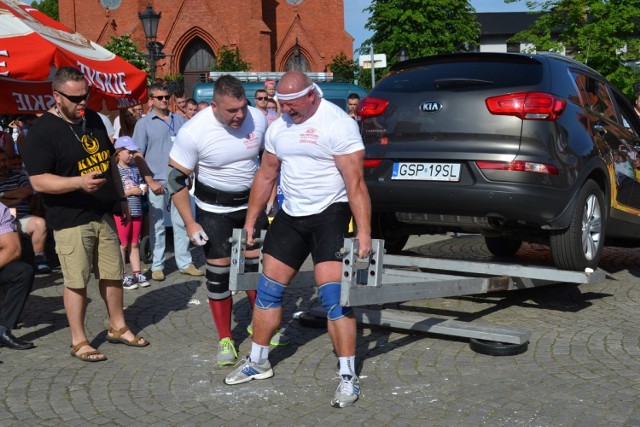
[[223, 158], [309, 178]]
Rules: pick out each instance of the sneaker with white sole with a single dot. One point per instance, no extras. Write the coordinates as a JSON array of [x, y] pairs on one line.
[[141, 280], [278, 339], [347, 392], [249, 371], [227, 354], [129, 283]]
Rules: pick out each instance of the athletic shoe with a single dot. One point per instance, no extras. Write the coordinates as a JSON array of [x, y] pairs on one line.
[[278, 339], [41, 265], [141, 280], [157, 275], [129, 283], [227, 354], [249, 371], [347, 392]]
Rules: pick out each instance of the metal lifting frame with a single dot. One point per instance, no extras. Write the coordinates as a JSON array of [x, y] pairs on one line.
[[388, 280]]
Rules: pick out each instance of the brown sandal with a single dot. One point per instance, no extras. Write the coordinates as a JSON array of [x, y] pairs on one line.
[[86, 357], [116, 338]]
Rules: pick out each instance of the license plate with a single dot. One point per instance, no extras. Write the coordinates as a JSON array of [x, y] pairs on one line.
[[426, 171]]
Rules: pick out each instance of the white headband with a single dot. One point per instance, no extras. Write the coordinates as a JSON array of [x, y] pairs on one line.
[[303, 92]]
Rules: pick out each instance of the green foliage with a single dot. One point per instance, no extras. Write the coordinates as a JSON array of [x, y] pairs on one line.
[[424, 27], [601, 34], [343, 68], [127, 49], [174, 77], [228, 59], [48, 7]]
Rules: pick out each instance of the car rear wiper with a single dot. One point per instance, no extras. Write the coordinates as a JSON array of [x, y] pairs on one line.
[[461, 82]]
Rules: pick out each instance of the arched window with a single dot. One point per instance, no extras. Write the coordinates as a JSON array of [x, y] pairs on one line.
[[297, 61]]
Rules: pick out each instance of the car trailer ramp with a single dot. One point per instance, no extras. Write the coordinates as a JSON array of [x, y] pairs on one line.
[[386, 278]]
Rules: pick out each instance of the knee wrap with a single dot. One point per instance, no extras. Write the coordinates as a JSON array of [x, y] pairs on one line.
[[251, 265], [329, 296], [218, 282], [269, 295], [176, 180]]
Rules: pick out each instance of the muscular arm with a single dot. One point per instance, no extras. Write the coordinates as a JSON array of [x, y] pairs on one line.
[[181, 198], [55, 184], [350, 166], [263, 183]]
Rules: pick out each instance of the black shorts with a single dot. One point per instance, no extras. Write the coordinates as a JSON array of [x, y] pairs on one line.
[[290, 239], [219, 228]]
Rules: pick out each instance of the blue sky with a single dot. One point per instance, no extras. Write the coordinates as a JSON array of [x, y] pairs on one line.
[[355, 19]]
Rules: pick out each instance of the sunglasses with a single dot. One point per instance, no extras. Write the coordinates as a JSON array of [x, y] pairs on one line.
[[161, 97], [76, 99], [261, 98]]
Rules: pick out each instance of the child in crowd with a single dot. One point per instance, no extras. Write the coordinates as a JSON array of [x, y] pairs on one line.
[[134, 189]]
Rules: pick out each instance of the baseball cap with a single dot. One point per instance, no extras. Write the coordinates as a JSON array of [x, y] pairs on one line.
[[126, 142]]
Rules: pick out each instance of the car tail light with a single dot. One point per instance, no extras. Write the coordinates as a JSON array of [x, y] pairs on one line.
[[527, 105], [519, 166], [371, 107], [372, 163]]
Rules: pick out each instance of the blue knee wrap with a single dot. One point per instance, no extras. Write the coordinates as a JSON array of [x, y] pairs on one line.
[[218, 282], [329, 296], [269, 293]]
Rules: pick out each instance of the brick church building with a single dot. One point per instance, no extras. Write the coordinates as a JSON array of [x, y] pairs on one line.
[[271, 35]]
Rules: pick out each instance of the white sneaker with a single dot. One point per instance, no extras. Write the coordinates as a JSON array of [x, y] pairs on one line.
[[249, 371], [347, 392]]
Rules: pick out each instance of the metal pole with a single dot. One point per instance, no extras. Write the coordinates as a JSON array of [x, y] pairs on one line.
[[152, 60], [373, 70]]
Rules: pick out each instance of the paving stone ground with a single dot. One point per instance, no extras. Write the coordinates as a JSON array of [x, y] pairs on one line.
[[582, 367]]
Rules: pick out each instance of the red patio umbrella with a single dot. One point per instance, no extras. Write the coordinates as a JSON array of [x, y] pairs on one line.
[[33, 46]]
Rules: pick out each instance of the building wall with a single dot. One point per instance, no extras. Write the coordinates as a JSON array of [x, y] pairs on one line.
[[264, 31]]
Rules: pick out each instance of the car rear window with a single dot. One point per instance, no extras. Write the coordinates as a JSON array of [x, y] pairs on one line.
[[464, 74]]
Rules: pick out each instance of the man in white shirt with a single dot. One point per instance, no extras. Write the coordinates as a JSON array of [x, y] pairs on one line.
[[222, 143], [317, 149]]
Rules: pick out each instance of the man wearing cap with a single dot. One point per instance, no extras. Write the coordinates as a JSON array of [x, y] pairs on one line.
[[67, 154], [317, 149]]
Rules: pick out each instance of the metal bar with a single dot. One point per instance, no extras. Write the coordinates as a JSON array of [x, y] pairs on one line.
[[416, 322], [542, 273]]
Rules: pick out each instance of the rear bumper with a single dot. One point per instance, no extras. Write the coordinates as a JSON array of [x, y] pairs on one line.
[[481, 206]]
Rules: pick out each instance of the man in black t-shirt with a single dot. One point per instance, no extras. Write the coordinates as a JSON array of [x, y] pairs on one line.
[[67, 154]]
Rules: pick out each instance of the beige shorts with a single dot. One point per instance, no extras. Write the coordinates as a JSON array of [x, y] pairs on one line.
[[94, 245]]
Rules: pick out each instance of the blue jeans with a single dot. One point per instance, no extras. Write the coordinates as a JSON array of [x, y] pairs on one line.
[[157, 233]]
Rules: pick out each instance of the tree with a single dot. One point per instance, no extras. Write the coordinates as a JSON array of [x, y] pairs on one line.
[[601, 34], [48, 7], [127, 49], [228, 59], [343, 68], [423, 27]]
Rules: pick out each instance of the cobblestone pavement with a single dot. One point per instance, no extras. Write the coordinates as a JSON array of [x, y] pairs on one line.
[[582, 367]]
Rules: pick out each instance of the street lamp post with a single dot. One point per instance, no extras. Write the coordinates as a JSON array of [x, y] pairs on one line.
[[150, 20]]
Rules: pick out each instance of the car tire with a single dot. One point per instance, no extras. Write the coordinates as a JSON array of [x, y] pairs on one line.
[[502, 247], [146, 254], [580, 245], [492, 348], [381, 228]]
